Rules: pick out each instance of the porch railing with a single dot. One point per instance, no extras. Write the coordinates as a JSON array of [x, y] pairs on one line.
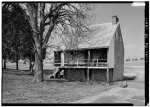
[[84, 62]]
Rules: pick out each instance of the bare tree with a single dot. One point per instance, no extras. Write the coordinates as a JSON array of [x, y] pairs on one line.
[[47, 18]]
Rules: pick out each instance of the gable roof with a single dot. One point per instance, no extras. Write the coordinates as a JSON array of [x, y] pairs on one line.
[[100, 37]]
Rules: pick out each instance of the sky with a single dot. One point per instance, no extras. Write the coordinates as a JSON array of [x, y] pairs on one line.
[[131, 21]]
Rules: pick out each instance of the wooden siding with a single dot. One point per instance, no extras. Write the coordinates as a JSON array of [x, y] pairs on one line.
[[119, 56]]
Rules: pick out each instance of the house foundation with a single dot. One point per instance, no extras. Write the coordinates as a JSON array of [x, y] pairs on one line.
[[87, 74]]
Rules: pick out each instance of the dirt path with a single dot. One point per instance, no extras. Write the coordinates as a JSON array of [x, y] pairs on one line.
[[118, 95], [134, 93]]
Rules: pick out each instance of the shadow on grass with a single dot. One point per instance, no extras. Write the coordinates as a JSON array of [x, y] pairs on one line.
[[10, 69], [48, 71], [17, 72], [25, 72], [57, 80]]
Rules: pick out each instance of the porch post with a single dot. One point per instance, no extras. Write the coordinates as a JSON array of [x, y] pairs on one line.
[[89, 55], [107, 75], [88, 78], [62, 58], [68, 73]]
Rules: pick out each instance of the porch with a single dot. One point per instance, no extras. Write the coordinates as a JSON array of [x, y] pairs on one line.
[[78, 58], [82, 63], [86, 67]]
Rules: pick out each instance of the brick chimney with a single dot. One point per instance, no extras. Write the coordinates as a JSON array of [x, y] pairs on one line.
[[115, 20]]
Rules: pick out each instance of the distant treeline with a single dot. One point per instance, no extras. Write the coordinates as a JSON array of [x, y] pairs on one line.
[[134, 59]]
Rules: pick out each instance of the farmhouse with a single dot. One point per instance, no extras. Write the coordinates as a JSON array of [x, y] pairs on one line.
[[101, 58]]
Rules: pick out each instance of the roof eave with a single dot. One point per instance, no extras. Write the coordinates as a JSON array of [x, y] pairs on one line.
[[83, 49]]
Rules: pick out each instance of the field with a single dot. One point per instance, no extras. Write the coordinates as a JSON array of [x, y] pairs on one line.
[[134, 63], [17, 86]]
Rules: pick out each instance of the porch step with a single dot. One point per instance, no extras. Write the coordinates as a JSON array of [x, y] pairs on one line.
[[54, 73]]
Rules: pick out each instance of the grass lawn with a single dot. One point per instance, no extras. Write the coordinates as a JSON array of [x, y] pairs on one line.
[[18, 88]]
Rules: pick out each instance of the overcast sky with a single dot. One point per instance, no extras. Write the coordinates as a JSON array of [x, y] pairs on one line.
[[131, 22]]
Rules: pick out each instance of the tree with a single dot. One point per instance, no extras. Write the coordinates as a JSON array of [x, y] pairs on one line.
[[45, 18], [17, 41], [5, 24], [67, 19]]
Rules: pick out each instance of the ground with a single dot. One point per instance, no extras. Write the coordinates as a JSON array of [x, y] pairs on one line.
[[133, 94], [18, 88]]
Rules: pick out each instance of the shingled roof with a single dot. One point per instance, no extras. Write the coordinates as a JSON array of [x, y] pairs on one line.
[[100, 37]]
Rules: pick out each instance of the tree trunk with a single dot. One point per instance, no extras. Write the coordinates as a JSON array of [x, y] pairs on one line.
[[33, 13], [17, 58], [16, 62], [30, 65], [32, 69], [38, 74], [4, 63]]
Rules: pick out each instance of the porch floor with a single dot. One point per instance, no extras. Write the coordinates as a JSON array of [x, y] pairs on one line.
[[84, 67]]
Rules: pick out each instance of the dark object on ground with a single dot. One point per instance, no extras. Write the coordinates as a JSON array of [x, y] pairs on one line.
[[51, 76], [124, 84]]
